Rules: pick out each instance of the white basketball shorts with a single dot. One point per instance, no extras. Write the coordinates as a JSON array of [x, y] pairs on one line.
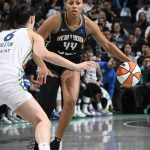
[[12, 92]]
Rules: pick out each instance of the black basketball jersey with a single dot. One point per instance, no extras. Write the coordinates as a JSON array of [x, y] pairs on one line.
[[67, 42]]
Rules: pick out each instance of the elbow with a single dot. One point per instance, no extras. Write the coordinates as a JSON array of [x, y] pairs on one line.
[[44, 56], [41, 55], [48, 56]]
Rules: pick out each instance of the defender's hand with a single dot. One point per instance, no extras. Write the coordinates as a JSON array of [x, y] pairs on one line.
[[87, 65]]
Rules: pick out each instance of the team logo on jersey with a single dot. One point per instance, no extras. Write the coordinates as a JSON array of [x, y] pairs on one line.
[[61, 53], [82, 31], [63, 30]]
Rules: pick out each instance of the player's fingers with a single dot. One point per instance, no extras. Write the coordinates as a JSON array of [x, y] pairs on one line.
[[56, 76], [45, 79], [88, 67], [40, 79], [92, 64], [50, 73]]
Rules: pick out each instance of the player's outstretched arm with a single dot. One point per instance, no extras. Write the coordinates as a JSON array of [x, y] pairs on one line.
[[112, 49], [40, 50]]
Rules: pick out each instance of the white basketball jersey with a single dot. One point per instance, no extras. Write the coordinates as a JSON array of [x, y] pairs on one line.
[[90, 76], [15, 49]]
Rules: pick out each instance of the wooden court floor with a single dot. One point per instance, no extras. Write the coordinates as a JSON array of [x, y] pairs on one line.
[[118, 132]]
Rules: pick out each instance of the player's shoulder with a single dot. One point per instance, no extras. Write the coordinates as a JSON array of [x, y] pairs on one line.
[[90, 24], [53, 20], [34, 35], [51, 23], [88, 20]]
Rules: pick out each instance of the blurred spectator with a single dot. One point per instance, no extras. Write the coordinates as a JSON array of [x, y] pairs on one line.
[[144, 9], [54, 5], [148, 38], [1, 4], [102, 14], [92, 94], [128, 52], [110, 14], [131, 40], [118, 4], [139, 39], [147, 31], [142, 21], [109, 75], [98, 50], [28, 2], [53, 8], [60, 3], [133, 6], [142, 91], [136, 40], [147, 90], [41, 10], [125, 11], [5, 11], [101, 53], [92, 80], [146, 63], [101, 23], [88, 5], [107, 34], [51, 12], [93, 14], [118, 34], [145, 51]]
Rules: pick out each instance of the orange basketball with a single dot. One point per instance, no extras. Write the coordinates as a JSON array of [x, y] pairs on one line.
[[128, 74]]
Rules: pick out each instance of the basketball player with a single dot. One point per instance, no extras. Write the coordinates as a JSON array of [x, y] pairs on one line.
[[16, 44], [67, 32]]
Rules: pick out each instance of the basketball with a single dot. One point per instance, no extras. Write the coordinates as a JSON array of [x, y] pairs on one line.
[[128, 74]]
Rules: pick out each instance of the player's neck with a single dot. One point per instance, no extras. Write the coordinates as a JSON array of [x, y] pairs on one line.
[[73, 22], [29, 26]]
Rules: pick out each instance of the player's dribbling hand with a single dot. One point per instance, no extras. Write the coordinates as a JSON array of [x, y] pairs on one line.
[[87, 65]]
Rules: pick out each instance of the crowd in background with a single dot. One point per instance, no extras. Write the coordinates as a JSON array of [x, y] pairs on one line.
[[123, 22]]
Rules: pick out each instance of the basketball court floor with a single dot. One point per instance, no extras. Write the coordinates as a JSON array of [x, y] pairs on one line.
[[118, 132]]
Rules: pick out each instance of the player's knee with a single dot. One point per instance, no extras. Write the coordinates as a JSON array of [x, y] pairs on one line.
[[71, 102], [42, 119], [47, 123]]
